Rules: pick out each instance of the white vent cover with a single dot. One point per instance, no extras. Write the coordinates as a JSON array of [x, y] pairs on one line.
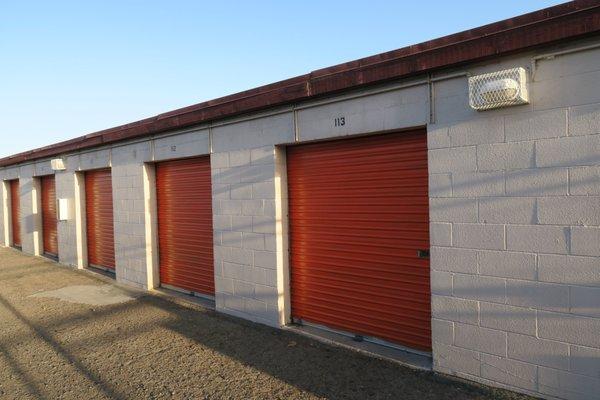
[[498, 89]]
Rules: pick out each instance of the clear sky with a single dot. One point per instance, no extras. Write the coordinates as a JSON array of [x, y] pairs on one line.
[[68, 68]]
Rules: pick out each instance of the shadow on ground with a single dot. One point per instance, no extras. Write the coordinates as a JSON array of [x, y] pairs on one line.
[[154, 347]]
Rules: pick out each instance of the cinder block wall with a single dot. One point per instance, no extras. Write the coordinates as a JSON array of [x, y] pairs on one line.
[[515, 232]]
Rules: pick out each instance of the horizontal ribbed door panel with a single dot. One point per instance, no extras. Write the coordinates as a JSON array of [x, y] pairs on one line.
[[15, 212], [49, 217], [99, 214], [359, 214], [185, 229]]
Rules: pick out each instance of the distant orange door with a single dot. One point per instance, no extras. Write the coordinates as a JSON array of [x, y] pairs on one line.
[[99, 218], [359, 236], [49, 217], [15, 212], [185, 229]]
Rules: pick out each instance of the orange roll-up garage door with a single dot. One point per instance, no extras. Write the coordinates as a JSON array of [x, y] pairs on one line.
[[49, 217], [99, 218], [185, 230], [15, 212], [359, 236]]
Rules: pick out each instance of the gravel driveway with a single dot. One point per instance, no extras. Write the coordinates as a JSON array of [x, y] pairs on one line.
[[155, 347]]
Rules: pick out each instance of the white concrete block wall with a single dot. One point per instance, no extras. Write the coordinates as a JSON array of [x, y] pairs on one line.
[[244, 218], [129, 213], [515, 235]]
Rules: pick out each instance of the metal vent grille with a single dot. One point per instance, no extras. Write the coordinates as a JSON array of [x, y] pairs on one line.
[[498, 89]]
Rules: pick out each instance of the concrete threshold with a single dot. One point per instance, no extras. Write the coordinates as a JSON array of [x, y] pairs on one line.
[[185, 297], [407, 358]]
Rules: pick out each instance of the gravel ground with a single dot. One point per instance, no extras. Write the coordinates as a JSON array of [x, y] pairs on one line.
[[156, 347]]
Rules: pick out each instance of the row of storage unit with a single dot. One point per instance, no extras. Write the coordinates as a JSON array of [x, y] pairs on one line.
[[318, 201], [359, 239]]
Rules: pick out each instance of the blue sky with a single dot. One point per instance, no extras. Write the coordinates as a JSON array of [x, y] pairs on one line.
[[68, 68]]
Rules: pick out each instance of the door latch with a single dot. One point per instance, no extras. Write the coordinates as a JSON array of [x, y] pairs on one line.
[[423, 253]]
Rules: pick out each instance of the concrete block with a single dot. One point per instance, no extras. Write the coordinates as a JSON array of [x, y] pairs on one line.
[[259, 132], [440, 234], [508, 318], [585, 301], [262, 155], [221, 191], [476, 287], [241, 191], [243, 289], [231, 239], [253, 207], [265, 259], [438, 137], [505, 156], [441, 283], [132, 154], [223, 285], [477, 131], [219, 160], [509, 372], [265, 293], [241, 223], [402, 108], [584, 120], [532, 238], [543, 296], [453, 210], [480, 339], [454, 260], [235, 255], [189, 144], [568, 151], [507, 264], [478, 236], [477, 184], [584, 181], [230, 207], [452, 359], [569, 270], [95, 159], [568, 385], [440, 185], [568, 328], [585, 361], [263, 224], [569, 210], [239, 158], [585, 241], [263, 190], [222, 222], [442, 331], [254, 241], [458, 159], [507, 210], [455, 309], [538, 351], [537, 182], [536, 125]]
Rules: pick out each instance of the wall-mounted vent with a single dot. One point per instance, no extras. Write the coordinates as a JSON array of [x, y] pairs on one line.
[[498, 89]]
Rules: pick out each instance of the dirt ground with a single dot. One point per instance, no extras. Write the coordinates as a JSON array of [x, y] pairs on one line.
[[154, 347]]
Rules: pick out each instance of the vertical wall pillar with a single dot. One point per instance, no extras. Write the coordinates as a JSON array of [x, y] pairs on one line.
[[151, 226], [6, 214], [281, 233], [80, 220]]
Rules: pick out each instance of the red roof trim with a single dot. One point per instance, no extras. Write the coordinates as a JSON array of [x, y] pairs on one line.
[[554, 24]]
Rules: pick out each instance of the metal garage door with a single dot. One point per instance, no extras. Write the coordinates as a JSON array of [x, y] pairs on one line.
[[49, 217], [99, 218], [359, 236], [185, 230], [15, 212]]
